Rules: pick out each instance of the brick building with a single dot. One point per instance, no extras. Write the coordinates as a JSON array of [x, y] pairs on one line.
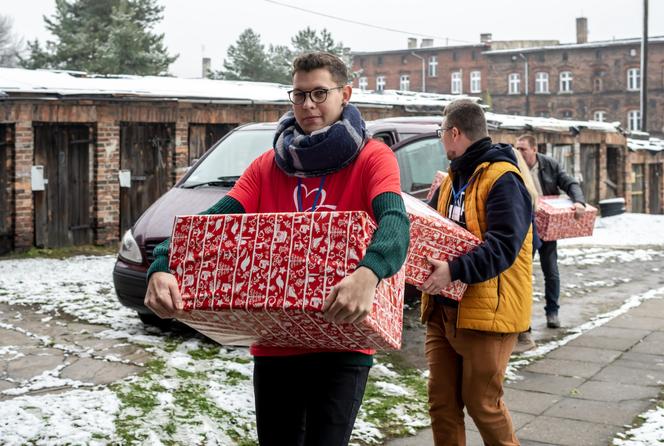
[[65, 139], [583, 81]]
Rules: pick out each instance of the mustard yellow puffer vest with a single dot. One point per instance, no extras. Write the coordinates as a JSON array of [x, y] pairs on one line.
[[501, 304]]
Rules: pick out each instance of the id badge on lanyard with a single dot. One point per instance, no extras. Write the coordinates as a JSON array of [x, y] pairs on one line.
[[455, 212], [455, 208]]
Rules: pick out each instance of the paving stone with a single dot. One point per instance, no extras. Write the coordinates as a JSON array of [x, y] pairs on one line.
[[565, 432], [423, 438], [628, 320], [616, 413], [650, 308], [34, 363], [519, 419], [4, 385], [618, 332], [597, 355], [130, 353], [641, 360], [541, 382], [652, 344], [99, 345], [603, 342], [95, 371], [629, 375], [564, 367], [529, 402], [13, 337], [607, 391], [532, 442]]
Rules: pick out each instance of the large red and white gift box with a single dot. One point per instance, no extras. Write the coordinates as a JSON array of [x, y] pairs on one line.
[[263, 279], [555, 219], [438, 179], [437, 237]]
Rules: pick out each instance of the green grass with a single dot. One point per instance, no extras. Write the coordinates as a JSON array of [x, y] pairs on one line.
[[61, 253]]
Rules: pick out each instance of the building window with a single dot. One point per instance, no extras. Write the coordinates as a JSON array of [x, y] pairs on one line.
[[599, 116], [597, 85], [475, 81], [404, 60], [567, 114], [454, 56], [363, 83], [632, 52], [565, 57], [634, 79], [541, 82], [433, 66], [634, 120], [380, 84], [513, 83], [404, 82], [456, 87], [379, 61], [474, 55], [566, 82], [362, 61], [543, 114], [598, 54]]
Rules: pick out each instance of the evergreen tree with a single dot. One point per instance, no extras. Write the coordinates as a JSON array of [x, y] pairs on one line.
[[308, 40], [107, 37], [247, 60], [10, 46]]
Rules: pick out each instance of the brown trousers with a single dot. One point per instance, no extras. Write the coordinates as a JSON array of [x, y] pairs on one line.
[[466, 369]]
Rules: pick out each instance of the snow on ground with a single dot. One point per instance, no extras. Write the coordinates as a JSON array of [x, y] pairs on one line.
[[626, 230]]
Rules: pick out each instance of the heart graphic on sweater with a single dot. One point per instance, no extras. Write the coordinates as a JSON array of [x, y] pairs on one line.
[[311, 195]]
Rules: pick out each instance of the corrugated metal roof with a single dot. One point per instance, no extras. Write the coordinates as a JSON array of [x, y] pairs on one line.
[[572, 46], [650, 144]]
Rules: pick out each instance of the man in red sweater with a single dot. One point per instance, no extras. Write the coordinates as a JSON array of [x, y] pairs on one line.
[[323, 159]]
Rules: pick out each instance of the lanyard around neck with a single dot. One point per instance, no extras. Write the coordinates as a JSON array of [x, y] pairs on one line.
[[457, 195], [300, 208]]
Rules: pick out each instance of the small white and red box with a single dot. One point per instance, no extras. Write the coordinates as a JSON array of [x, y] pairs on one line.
[[438, 179], [437, 237], [263, 279], [555, 219]]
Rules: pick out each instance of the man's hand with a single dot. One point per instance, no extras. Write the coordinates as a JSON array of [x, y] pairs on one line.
[[351, 299], [579, 210], [163, 296], [439, 279]]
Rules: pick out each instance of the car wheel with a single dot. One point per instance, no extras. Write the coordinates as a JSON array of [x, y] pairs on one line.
[[155, 321]]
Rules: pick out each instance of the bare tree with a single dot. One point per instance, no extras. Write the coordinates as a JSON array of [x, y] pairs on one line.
[[10, 45]]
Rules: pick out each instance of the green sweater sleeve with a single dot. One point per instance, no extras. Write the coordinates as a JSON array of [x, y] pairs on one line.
[[227, 205], [389, 245]]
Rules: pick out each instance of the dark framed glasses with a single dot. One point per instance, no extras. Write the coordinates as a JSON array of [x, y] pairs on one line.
[[317, 95]]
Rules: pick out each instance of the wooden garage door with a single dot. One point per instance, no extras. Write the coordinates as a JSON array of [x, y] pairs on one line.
[[590, 172], [6, 149], [62, 210], [203, 136], [145, 150]]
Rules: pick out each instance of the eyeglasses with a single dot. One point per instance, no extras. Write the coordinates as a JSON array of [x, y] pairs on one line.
[[317, 95], [439, 132]]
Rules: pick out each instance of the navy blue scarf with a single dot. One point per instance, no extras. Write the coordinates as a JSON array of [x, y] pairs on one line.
[[322, 152]]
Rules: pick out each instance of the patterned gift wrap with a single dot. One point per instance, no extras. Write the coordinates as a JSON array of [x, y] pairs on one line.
[[263, 278], [437, 181], [432, 235], [555, 219]]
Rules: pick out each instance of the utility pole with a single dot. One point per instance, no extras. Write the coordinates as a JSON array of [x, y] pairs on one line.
[[644, 70]]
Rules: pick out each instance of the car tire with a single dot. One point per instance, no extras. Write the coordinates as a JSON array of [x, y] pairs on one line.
[[155, 321]]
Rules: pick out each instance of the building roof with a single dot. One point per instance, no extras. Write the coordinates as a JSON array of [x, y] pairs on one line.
[[574, 46], [49, 84], [497, 121], [420, 49], [649, 144]]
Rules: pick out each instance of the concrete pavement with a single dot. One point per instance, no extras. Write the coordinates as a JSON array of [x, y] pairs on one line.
[[585, 392]]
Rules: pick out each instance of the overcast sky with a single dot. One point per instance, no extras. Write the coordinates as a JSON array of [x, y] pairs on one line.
[[197, 28]]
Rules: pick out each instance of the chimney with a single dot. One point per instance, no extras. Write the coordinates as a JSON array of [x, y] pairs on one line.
[[581, 30], [412, 43], [426, 43], [206, 68], [486, 38]]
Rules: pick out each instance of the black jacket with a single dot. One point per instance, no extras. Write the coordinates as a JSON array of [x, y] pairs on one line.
[[509, 214], [552, 178]]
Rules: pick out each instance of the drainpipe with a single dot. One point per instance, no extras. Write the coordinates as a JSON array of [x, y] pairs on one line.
[[424, 81], [525, 78]]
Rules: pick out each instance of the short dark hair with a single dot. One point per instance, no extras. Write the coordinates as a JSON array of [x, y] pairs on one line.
[[468, 117], [532, 142], [312, 61]]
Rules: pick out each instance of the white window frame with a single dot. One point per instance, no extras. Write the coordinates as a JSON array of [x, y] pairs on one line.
[[433, 66], [404, 82], [633, 79], [634, 120], [363, 83], [566, 78], [541, 82], [514, 83], [599, 116], [475, 81], [380, 83], [456, 83]]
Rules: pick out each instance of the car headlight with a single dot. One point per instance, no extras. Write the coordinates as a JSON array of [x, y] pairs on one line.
[[129, 249]]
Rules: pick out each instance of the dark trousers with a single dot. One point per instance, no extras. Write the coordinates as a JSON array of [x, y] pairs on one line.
[[303, 400], [549, 260]]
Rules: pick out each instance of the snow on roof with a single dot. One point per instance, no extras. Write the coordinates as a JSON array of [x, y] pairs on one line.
[[569, 46], [17, 81], [650, 144], [510, 122]]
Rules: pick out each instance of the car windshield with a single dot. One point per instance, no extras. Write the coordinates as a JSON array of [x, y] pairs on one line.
[[231, 157]]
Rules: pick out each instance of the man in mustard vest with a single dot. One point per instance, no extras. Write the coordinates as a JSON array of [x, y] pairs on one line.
[[468, 343]]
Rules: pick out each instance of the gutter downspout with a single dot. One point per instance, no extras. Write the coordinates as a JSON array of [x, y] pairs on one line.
[[424, 82]]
